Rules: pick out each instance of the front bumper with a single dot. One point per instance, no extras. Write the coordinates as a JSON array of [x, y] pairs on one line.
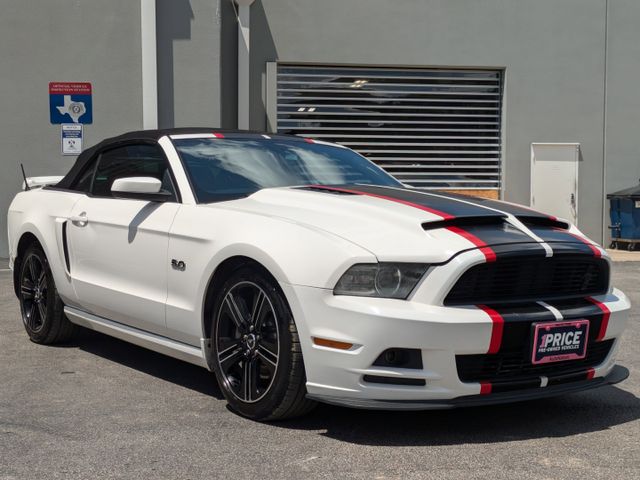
[[616, 375], [440, 333]]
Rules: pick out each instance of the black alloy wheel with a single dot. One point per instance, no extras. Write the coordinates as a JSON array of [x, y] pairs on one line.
[[41, 308], [33, 291], [256, 353], [247, 341]]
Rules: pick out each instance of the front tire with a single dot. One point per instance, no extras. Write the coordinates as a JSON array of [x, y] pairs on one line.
[[256, 351], [41, 308]]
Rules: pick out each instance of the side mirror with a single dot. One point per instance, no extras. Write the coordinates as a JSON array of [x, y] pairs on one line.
[[140, 188]]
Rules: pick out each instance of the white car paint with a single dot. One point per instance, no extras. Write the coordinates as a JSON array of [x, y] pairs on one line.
[[121, 282]]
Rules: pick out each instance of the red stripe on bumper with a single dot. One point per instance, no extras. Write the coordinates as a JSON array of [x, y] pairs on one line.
[[485, 388], [591, 373], [496, 329], [606, 313]]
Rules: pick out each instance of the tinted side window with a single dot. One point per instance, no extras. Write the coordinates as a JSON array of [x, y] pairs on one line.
[[131, 161], [83, 183]]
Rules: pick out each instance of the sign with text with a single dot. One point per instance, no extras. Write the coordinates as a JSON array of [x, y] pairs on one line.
[[71, 138], [70, 102]]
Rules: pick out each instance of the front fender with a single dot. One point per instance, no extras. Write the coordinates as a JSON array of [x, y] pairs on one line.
[[203, 238]]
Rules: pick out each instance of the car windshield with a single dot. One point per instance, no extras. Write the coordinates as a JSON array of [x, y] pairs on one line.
[[223, 169]]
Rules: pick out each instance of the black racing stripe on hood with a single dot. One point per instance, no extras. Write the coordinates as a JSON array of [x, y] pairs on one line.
[[518, 250], [555, 237], [504, 238], [515, 210], [450, 206], [481, 227]]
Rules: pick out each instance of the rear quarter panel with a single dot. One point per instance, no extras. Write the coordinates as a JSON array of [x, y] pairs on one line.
[[42, 213]]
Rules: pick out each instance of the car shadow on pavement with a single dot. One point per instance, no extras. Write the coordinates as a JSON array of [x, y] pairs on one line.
[[562, 416], [152, 363]]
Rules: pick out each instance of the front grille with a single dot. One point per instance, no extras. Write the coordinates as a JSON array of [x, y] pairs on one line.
[[525, 279], [517, 365]]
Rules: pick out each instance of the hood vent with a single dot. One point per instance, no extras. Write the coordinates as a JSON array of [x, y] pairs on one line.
[[548, 222], [466, 222]]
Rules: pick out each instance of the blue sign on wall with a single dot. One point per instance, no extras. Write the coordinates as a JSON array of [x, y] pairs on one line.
[[70, 102]]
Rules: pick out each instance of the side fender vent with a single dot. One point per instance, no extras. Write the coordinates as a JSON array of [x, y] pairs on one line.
[[65, 247]]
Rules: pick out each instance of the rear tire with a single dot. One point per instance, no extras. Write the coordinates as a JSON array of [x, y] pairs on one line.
[[256, 354], [41, 308]]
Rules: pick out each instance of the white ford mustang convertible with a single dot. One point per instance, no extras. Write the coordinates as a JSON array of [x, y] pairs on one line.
[[298, 271]]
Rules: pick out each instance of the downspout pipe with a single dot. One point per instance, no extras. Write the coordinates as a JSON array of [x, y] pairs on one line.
[[149, 64], [244, 62]]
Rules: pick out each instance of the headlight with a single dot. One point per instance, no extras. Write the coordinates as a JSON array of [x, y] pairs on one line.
[[384, 280]]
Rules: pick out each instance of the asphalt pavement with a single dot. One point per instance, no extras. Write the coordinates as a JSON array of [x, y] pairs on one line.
[[101, 408]]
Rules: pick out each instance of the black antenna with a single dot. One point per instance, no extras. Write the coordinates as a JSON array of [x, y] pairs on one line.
[[24, 175]]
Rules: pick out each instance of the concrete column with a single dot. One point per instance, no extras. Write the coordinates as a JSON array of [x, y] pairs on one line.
[[244, 7], [149, 64]]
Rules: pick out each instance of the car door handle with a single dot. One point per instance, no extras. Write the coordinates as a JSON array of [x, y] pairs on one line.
[[80, 220]]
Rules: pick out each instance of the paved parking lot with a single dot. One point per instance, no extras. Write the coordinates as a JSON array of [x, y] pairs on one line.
[[100, 408]]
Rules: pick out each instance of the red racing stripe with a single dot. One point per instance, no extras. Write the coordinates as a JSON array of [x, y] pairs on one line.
[[596, 251], [496, 329], [489, 254], [485, 388], [606, 313], [445, 216]]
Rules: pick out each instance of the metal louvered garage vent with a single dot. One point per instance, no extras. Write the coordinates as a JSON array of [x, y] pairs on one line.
[[430, 128]]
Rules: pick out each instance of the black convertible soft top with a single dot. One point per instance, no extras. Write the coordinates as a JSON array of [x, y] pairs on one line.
[[150, 136]]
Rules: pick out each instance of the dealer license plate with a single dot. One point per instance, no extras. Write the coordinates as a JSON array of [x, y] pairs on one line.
[[559, 341]]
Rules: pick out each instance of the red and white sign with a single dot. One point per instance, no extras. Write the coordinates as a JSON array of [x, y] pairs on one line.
[[69, 88]]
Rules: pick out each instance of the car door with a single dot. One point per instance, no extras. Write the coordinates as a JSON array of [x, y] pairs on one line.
[[118, 247]]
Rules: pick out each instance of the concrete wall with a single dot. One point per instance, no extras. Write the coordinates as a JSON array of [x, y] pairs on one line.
[[189, 63], [552, 52], [62, 40], [623, 97]]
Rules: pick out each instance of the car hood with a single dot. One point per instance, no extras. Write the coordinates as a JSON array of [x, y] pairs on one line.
[[398, 224]]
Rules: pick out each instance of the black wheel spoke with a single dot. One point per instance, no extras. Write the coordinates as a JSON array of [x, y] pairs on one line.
[[33, 270], [249, 377], [27, 289], [31, 316], [267, 360], [234, 309], [229, 356], [246, 341], [256, 313], [42, 280], [267, 355], [42, 311]]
